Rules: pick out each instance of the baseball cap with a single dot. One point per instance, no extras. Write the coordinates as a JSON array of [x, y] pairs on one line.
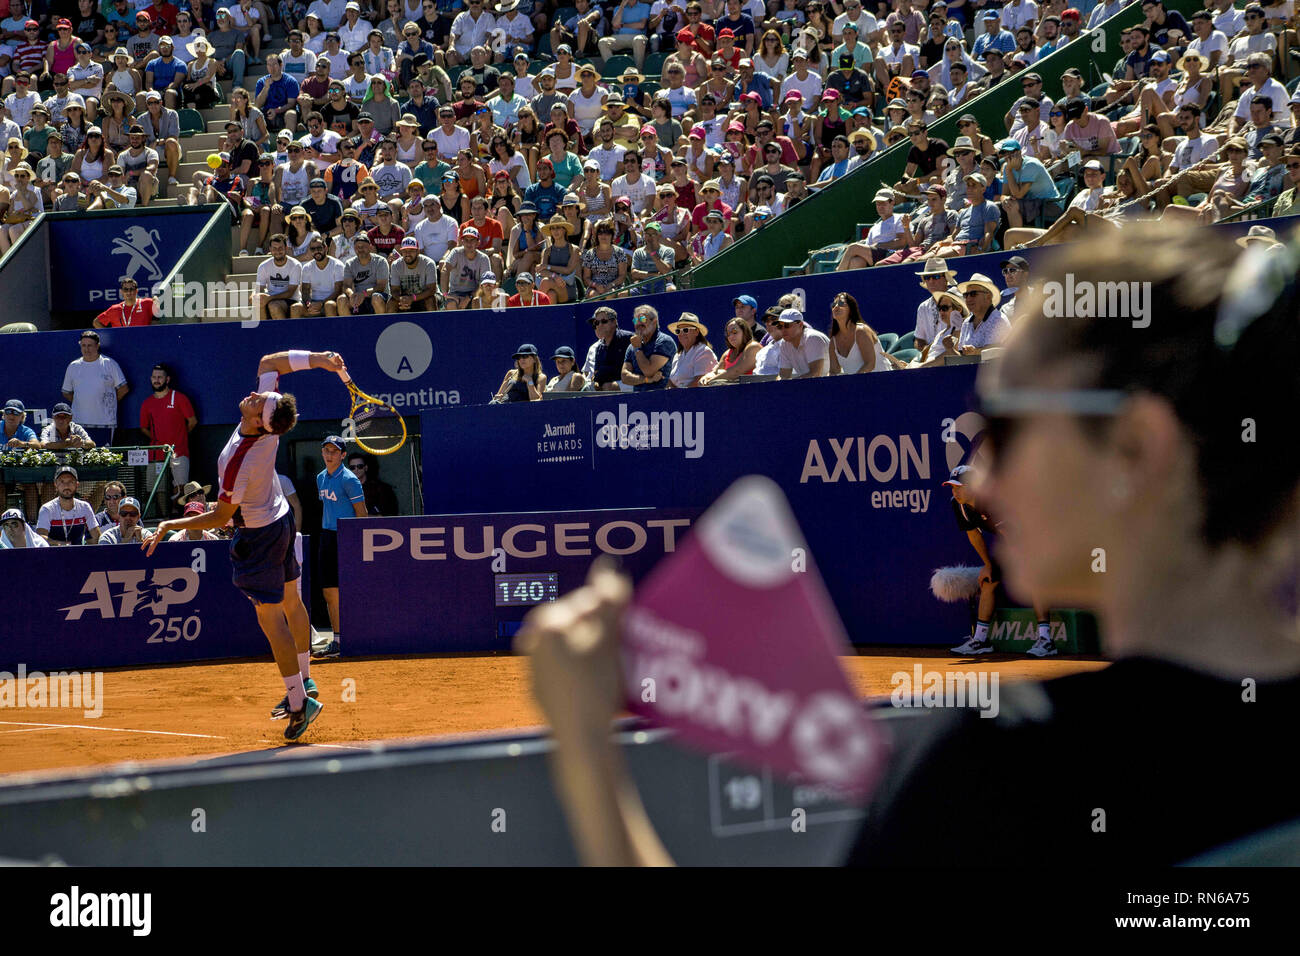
[[790, 315], [12, 514], [335, 440], [977, 177], [15, 406], [1020, 262], [62, 408], [196, 508], [488, 277], [1009, 145], [959, 476], [564, 351], [524, 277], [469, 232], [129, 502], [316, 182], [69, 470], [713, 214], [1094, 164], [748, 300], [410, 242]]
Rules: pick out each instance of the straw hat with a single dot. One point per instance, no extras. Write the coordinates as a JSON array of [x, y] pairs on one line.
[[1199, 57], [1259, 235], [14, 139], [119, 95], [935, 267], [979, 281], [954, 299], [688, 321], [558, 220]]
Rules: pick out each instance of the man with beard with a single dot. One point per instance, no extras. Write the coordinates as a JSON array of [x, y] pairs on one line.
[[322, 283], [167, 417], [128, 529], [67, 519], [413, 278]]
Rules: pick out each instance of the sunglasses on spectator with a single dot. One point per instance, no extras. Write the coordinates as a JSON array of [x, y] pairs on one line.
[[108, 497], [129, 514], [1293, 165], [946, 308], [1056, 113]]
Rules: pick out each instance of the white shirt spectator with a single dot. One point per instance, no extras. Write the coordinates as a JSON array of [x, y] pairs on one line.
[[811, 88], [991, 331], [1274, 91], [609, 159], [436, 236], [76, 523], [353, 38], [866, 23], [1231, 21], [1215, 41], [1087, 199], [1243, 47], [1191, 151], [244, 19], [94, 387], [885, 230], [301, 66], [20, 107], [272, 279], [91, 71], [891, 56], [927, 321], [450, 144], [330, 12], [768, 360], [813, 346], [691, 364], [467, 33], [639, 192], [1016, 15], [321, 280], [1104, 11]]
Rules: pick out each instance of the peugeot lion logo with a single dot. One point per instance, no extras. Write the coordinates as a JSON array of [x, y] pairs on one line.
[[142, 246]]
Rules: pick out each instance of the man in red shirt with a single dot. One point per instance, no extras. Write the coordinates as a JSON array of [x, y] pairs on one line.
[[132, 311], [386, 237], [163, 14], [526, 295], [491, 237], [167, 418]]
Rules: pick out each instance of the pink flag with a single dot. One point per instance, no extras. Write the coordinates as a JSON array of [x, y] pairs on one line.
[[732, 641]]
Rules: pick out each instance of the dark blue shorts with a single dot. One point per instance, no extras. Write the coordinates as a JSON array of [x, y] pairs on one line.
[[264, 561]]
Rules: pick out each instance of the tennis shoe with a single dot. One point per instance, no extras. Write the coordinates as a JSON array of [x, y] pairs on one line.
[[1043, 647], [973, 646], [329, 650], [300, 720], [281, 710]]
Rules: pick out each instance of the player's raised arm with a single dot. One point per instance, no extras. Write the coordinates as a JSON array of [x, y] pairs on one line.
[[299, 360]]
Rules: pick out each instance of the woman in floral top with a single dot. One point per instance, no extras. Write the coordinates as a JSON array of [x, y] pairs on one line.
[[604, 266]]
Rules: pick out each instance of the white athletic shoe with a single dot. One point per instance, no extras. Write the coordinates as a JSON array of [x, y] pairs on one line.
[[1043, 647], [171, 181], [973, 646]]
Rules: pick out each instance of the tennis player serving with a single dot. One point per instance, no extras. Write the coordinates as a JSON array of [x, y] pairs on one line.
[[262, 548]]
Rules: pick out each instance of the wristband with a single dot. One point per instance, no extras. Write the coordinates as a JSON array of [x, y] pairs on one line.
[[299, 360]]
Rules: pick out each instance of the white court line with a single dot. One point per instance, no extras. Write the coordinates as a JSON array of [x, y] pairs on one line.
[[26, 730], [120, 730]]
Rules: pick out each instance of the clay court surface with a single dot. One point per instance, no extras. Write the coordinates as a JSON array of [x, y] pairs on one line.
[[205, 710]]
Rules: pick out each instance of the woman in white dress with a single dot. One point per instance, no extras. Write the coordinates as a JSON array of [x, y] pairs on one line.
[[694, 358], [852, 340]]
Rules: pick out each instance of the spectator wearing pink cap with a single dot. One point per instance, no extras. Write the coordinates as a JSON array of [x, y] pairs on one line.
[[193, 508]]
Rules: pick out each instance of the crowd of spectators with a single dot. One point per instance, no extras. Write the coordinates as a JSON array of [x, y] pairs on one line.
[[1193, 123], [954, 320]]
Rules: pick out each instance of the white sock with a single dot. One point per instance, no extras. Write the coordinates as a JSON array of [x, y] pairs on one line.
[[1044, 631], [304, 665], [981, 631], [297, 693]]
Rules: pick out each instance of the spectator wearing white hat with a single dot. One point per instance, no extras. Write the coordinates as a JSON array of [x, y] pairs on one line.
[[804, 352], [128, 529], [694, 358], [462, 270], [886, 235], [985, 326], [413, 278], [162, 131], [25, 203]]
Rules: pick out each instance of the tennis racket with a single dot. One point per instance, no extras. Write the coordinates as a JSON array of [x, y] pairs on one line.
[[373, 424]]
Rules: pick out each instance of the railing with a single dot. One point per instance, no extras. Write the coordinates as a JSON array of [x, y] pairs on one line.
[[123, 463]]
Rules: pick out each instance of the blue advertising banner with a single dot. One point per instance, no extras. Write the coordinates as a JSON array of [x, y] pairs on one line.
[[90, 255], [430, 360], [861, 458], [442, 583], [112, 606]]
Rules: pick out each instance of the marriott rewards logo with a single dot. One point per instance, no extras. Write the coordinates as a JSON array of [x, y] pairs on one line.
[[622, 430], [890, 460]]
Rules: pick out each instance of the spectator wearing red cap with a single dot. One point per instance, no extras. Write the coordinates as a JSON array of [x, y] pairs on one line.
[[61, 52], [29, 51], [739, 25], [728, 51], [194, 508]]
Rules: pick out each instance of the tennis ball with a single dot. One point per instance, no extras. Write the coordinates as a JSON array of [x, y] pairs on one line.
[[214, 161]]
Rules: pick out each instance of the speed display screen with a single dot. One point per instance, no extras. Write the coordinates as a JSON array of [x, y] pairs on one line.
[[518, 590]]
